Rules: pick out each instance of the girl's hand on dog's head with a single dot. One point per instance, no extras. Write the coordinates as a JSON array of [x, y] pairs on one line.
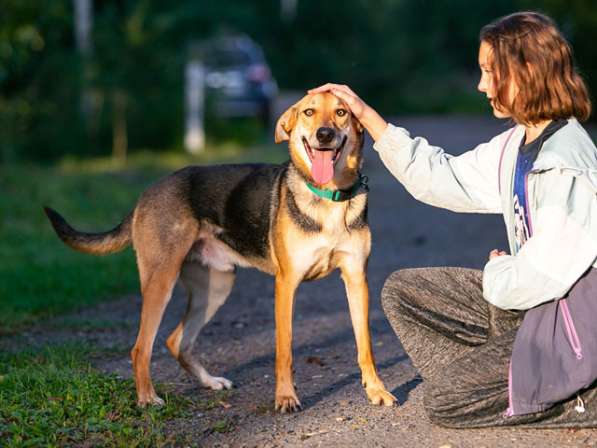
[[357, 106], [366, 115]]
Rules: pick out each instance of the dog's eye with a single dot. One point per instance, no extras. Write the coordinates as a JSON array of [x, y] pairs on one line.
[[309, 112], [341, 112]]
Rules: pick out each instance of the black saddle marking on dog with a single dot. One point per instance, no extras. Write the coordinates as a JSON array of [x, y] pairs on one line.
[[306, 223], [239, 199], [360, 222]]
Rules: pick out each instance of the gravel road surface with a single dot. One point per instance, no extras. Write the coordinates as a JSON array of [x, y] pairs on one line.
[[239, 342]]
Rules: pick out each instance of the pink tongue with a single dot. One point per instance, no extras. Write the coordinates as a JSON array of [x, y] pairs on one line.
[[322, 166]]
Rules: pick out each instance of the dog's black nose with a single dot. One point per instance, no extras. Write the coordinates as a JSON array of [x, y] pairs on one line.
[[325, 135]]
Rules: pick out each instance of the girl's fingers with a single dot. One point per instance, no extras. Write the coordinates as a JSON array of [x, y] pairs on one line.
[[329, 87], [343, 88], [344, 93], [349, 99], [349, 90], [497, 253], [324, 88], [353, 102]]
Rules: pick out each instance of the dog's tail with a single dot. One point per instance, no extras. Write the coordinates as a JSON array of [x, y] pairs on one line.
[[92, 243]]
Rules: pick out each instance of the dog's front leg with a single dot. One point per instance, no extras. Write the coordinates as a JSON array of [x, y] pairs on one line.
[[286, 398], [357, 291]]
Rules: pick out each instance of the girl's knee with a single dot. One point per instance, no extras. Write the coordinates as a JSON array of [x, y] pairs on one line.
[[391, 293], [401, 288]]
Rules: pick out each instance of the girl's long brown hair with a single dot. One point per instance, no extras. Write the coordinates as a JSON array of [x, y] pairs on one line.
[[528, 48]]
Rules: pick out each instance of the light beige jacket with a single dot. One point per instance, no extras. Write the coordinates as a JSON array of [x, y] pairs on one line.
[[561, 193]]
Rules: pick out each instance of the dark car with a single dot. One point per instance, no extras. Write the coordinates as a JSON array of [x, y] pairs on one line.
[[238, 79]]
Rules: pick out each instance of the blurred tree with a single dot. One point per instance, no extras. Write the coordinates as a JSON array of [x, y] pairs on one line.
[[401, 55], [134, 70], [38, 97]]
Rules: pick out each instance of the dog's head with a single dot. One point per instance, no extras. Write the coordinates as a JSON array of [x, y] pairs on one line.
[[325, 140]]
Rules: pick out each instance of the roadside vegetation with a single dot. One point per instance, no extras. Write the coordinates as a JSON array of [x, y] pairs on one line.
[[52, 396], [39, 275]]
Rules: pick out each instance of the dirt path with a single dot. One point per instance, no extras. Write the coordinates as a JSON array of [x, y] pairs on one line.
[[239, 342]]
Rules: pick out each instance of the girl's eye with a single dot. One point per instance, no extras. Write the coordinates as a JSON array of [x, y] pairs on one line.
[[309, 112], [341, 112]]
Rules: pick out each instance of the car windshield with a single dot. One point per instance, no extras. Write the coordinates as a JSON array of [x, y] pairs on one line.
[[227, 58]]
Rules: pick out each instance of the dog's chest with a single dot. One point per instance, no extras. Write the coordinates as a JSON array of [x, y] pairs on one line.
[[319, 252]]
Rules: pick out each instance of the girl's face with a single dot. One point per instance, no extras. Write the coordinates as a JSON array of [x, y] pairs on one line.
[[487, 83]]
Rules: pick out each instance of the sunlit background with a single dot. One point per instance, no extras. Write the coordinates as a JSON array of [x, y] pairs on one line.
[[86, 78], [99, 98]]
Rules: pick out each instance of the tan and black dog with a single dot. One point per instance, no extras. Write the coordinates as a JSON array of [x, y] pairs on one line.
[[297, 221]]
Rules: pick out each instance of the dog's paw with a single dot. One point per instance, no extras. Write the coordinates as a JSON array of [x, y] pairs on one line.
[[378, 395], [217, 383], [150, 400], [287, 403]]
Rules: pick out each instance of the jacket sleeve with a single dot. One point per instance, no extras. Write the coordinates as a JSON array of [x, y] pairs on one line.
[[562, 247], [464, 183]]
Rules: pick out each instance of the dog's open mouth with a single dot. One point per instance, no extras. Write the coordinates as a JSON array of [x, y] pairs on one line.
[[323, 161]]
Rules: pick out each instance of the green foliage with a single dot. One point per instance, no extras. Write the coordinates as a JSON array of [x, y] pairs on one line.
[[39, 81], [400, 55], [53, 397], [223, 426], [39, 275]]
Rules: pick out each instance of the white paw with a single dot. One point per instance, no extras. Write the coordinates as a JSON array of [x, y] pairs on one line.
[[150, 400], [217, 383]]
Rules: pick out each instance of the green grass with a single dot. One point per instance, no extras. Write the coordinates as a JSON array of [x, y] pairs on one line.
[[40, 276], [53, 397], [87, 325]]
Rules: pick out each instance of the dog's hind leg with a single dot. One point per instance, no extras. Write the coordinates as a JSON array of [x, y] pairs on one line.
[[207, 289], [157, 290], [159, 260]]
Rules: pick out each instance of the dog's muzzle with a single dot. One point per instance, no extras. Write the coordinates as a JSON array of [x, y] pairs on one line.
[[323, 159]]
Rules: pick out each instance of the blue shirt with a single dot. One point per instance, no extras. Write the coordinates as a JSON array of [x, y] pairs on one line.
[[527, 154]]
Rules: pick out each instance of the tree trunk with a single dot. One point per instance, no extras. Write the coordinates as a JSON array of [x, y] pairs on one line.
[[119, 127]]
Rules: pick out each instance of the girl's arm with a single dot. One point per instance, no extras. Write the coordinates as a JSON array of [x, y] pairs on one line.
[[467, 183]]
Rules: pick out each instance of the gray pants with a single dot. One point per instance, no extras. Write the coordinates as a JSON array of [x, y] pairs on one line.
[[461, 346]]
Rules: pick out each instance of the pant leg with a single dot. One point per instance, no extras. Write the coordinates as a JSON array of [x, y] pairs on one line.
[[462, 347], [437, 313], [472, 392]]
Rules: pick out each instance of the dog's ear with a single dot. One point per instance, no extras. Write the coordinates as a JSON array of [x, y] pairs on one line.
[[285, 124], [357, 124]]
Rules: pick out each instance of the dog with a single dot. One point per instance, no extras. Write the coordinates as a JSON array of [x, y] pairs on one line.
[[296, 221]]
